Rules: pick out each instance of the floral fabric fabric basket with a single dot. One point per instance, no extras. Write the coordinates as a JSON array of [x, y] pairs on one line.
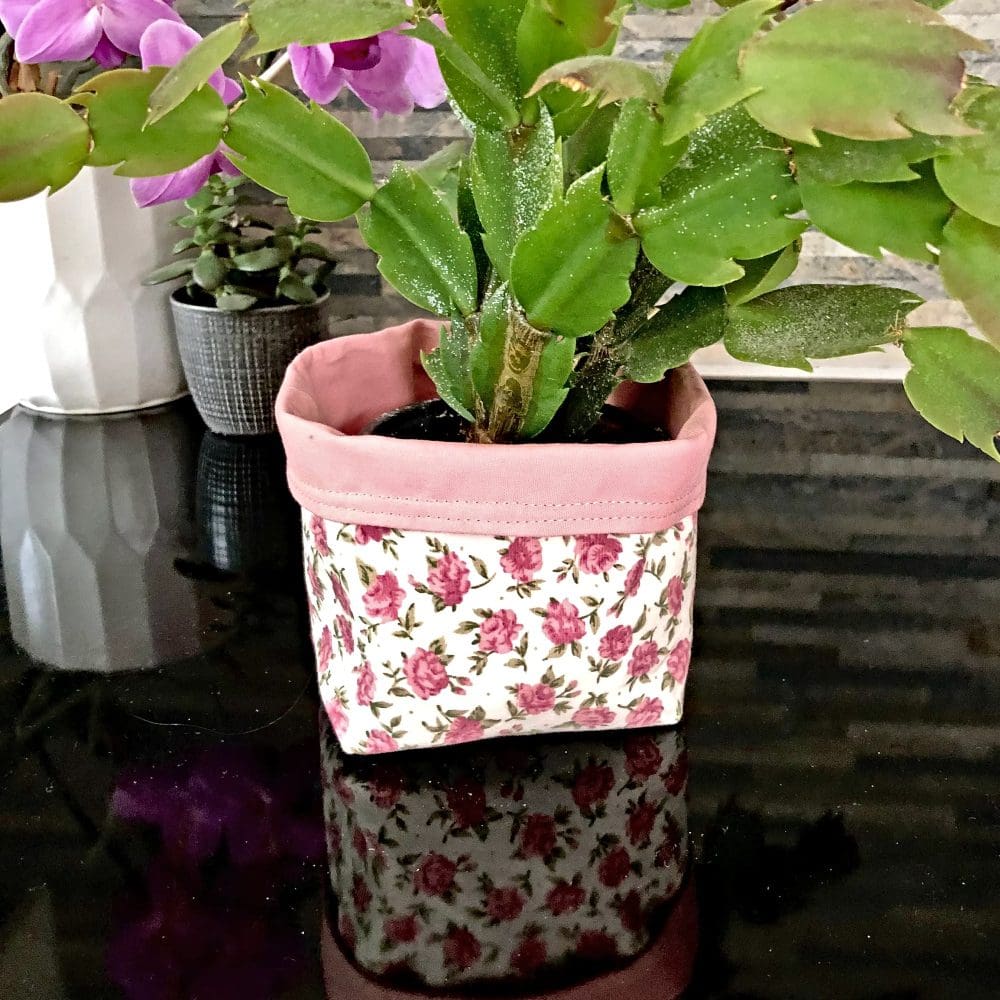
[[461, 591]]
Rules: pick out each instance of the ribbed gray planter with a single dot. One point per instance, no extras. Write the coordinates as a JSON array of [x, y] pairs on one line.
[[235, 361]]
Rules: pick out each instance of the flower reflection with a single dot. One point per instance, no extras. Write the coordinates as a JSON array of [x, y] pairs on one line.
[[239, 839], [546, 861]]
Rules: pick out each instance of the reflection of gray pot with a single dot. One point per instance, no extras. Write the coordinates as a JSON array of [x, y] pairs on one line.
[[94, 514], [235, 361], [245, 511]]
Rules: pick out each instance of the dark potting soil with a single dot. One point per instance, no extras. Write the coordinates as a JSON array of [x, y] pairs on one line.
[[436, 421]]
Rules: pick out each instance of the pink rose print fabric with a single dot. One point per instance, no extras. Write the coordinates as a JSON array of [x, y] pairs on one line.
[[428, 640], [502, 864]]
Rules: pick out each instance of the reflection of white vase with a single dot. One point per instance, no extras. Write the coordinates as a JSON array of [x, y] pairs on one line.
[[94, 515], [89, 337]]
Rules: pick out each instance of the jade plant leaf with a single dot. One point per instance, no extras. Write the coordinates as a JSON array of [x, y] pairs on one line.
[[791, 325], [905, 218], [706, 78], [603, 79], [482, 100], [422, 252], [860, 87], [764, 274], [448, 366], [638, 157], [117, 104], [278, 23], [955, 384], [487, 30], [970, 267], [44, 143], [969, 170], [842, 161], [195, 68], [728, 199], [572, 271], [691, 320], [512, 174], [301, 152]]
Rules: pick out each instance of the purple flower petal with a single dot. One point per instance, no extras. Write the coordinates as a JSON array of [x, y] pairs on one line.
[[384, 88], [108, 55], [170, 187], [315, 73], [231, 90], [58, 31], [125, 21], [362, 53], [13, 12], [223, 165], [165, 43], [424, 77]]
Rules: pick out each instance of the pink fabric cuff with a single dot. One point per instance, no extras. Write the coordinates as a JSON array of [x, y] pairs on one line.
[[662, 972], [335, 389]]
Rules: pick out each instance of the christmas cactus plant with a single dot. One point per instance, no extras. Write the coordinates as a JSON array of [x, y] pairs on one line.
[[606, 218]]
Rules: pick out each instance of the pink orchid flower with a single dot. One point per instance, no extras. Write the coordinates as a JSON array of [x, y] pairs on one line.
[[390, 73], [73, 30], [163, 44]]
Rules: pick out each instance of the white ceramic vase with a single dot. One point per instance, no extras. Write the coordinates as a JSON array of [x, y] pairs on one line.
[[95, 512], [81, 334]]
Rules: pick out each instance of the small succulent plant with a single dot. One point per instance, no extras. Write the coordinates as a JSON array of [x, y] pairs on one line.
[[235, 259]]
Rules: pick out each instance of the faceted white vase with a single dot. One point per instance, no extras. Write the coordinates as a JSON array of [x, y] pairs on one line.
[[81, 334], [93, 515]]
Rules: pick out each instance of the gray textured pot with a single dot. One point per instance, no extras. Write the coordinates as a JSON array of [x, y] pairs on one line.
[[235, 361]]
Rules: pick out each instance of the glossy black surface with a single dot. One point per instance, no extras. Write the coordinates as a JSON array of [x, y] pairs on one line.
[[161, 830]]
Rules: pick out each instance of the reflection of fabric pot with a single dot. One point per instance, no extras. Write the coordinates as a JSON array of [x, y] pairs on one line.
[[243, 503], [89, 337], [462, 591], [522, 863], [235, 361], [94, 513]]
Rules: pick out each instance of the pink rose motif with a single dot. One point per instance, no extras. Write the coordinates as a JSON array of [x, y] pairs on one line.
[[677, 775], [631, 912], [640, 823], [597, 553], [644, 659], [366, 685], [386, 785], [593, 786], [342, 599], [461, 949], [379, 741], [435, 875], [536, 698], [401, 930], [384, 598], [315, 583], [360, 843], [615, 868], [347, 932], [338, 717], [523, 559], [463, 730], [642, 757], [634, 578], [538, 836], [504, 904], [449, 579], [318, 528], [563, 623], [426, 674], [596, 946], [467, 802], [499, 632], [675, 595], [646, 713], [324, 649], [564, 898], [529, 956], [594, 718], [365, 533], [346, 633], [679, 659], [616, 643], [361, 894]]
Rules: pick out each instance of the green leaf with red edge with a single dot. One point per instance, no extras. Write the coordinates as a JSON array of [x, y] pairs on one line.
[[43, 144], [955, 384], [604, 79], [896, 66], [842, 161], [970, 267]]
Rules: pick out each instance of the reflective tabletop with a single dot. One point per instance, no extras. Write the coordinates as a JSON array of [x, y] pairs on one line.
[[178, 821]]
